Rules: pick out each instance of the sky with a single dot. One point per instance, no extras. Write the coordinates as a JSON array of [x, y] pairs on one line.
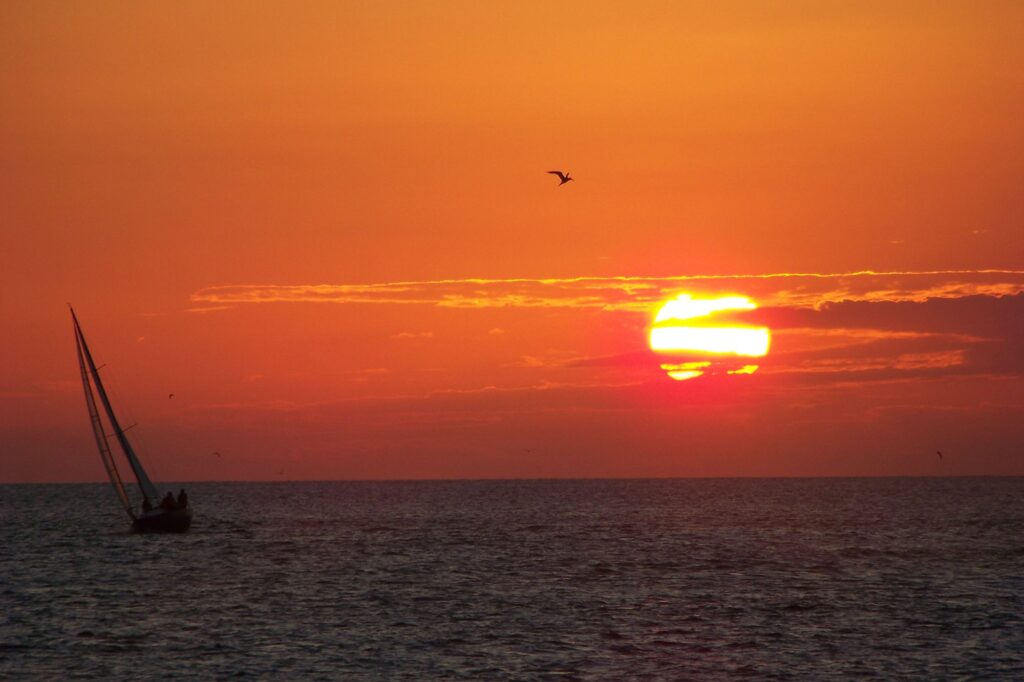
[[327, 229]]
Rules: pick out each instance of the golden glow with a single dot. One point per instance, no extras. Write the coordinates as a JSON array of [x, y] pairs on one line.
[[685, 370], [697, 335], [685, 307], [751, 342]]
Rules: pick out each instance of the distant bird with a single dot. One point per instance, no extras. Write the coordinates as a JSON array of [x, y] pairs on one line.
[[217, 453], [939, 453], [564, 177], [170, 395]]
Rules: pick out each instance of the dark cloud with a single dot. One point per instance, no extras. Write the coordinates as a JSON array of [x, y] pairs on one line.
[[975, 334], [977, 315]]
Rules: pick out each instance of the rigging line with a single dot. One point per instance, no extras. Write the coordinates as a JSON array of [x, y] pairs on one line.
[[122, 431]]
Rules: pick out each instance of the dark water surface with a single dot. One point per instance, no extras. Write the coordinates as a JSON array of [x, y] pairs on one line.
[[480, 580]]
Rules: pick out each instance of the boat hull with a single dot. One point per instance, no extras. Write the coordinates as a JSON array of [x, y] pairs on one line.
[[164, 521]]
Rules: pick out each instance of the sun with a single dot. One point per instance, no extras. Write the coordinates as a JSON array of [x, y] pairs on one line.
[[684, 328]]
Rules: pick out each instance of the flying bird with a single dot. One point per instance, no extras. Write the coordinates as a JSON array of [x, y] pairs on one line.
[[170, 395], [939, 453], [564, 177], [217, 453]]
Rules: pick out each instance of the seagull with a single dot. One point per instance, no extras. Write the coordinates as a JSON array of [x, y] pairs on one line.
[[217, 453], [564, 177]]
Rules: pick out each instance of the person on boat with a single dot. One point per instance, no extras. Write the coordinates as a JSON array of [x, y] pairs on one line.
[[168, 502], [182, 499], [147, 506]]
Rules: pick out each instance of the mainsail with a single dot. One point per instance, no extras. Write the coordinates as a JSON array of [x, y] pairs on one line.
[[89, 369], [101, 436]]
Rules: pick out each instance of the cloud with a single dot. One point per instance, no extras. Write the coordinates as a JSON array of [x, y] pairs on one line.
[[972, 334], [209, 309], [528, 361], [413, 335], [866, 325], [550, 358], [630, 293], [978, 315], [364, 375]]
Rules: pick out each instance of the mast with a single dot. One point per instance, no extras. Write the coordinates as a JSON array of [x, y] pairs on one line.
[[101, 437], [149, 492]]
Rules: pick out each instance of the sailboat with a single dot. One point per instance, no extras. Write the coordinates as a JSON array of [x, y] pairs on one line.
[[156, 514]]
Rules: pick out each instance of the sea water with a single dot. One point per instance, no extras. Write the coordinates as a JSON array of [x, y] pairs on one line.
[[521, 580]]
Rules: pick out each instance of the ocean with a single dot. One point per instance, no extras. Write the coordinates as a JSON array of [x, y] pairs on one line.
[[763, 579]]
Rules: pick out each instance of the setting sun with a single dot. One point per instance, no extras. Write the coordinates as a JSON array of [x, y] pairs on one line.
[[684, 326]]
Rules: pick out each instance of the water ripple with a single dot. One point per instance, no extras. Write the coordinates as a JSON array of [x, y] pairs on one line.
[[522, 580]]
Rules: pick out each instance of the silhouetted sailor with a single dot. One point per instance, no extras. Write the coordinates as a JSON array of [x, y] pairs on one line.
[[182, 499]]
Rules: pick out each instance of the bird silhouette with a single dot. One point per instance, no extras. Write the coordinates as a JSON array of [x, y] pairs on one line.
[[170, 395], [939, 453], [564, 177]]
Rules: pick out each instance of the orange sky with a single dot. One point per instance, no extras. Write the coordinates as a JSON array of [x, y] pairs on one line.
[[187, 173]]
